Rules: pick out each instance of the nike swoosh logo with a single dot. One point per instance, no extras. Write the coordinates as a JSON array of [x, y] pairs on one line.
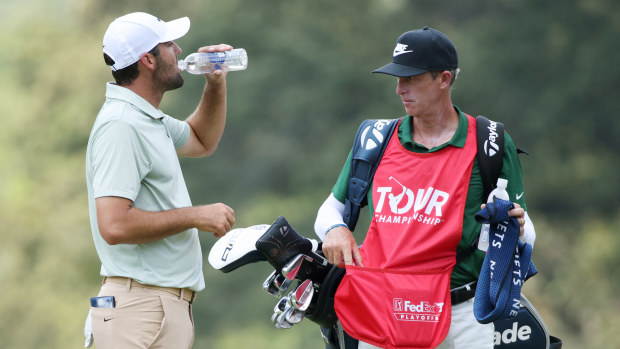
[[400, 49], [401, 52], [106, 320], [519, 196]]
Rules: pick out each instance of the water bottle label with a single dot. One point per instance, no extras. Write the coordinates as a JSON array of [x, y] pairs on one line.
[[217, 57], [483, 239]]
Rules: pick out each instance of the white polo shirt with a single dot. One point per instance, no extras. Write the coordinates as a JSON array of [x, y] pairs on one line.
[[132, 154]]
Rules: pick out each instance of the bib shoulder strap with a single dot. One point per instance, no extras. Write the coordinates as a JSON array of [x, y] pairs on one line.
[[370, 141]]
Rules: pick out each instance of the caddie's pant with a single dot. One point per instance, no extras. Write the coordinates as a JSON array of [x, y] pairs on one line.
[[143, 318], [465, 331]]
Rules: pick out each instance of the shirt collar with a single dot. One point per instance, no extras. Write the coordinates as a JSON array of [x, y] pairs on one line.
[[114, 91], [458, 140]]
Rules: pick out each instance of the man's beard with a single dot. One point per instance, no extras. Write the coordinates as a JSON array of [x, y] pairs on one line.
[[164, 79]]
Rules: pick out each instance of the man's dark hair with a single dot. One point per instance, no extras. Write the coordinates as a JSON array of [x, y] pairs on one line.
[[128, 74], [454, 72]]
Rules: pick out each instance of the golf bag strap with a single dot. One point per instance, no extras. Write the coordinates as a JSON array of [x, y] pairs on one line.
[[490, 155], [370, 141], [490, 139]]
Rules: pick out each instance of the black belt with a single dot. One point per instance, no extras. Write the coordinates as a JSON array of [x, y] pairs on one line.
[[463, 293]]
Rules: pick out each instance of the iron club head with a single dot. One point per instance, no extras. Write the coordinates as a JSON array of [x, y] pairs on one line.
[[301, 298]]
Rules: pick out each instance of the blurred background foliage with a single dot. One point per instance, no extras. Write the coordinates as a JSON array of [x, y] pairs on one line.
[[547, 69]]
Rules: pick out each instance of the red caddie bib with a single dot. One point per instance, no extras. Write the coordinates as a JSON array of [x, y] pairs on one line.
[[401, 297]]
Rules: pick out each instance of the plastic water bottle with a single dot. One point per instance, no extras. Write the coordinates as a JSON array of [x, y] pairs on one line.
[[500, 193], [208, 62]]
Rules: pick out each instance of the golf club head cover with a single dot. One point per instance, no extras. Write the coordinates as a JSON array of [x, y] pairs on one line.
[[281, 243], [527, 317], [237, 248]]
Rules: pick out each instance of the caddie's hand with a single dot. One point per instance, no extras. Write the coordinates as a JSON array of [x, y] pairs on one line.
[[515, 212], [340, 248], [520, 214], [218, 75], [217, 218]]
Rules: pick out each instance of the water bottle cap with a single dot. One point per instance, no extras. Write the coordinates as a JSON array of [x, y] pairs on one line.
[[502, 183]]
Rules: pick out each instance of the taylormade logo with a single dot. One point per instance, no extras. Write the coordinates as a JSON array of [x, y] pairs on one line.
[[490, 147], [371, 137], [284, 231], [400, 49], [512, 335]]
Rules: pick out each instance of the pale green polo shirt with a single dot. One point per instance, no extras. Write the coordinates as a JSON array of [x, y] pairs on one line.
[[132, 154]]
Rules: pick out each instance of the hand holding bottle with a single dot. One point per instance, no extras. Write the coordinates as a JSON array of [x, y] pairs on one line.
[[500, 193], [213, 58]]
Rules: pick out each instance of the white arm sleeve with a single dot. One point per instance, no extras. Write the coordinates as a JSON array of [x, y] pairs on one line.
[[330, 214], [529, 233]]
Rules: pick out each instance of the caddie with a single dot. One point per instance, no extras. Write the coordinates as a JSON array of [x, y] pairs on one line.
[[403, 287]]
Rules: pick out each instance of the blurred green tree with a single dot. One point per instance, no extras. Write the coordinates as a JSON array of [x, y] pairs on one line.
[[547, 70]]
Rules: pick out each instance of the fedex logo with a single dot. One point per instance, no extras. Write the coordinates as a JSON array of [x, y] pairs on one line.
[[422, 307], [423, 311]]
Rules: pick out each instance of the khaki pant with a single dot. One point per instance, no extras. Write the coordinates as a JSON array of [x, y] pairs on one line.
[[142, 318], [466, 332]]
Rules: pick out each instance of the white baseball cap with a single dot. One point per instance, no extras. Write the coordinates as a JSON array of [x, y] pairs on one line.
[[131, 35]]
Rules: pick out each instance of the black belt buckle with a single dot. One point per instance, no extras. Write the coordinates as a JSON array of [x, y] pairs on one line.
[[463, 293]]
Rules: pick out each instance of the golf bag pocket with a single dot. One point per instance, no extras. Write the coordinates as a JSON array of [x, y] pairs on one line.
[[395, 308]]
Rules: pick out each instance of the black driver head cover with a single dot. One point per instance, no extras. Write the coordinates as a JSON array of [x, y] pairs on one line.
[[281, 242]]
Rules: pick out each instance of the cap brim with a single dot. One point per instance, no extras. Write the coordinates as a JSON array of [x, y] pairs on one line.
[[399, 70], [176, 29]]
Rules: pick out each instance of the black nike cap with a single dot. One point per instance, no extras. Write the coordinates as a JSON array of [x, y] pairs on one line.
[[419, 51]]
